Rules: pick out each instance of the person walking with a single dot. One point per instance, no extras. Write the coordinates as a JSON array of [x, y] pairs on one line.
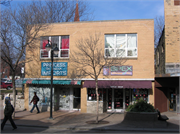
[[35, 100], [9, 109], [7, 98]]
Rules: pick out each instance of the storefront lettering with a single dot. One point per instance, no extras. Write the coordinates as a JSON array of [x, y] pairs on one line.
[[118, 70], [59, 68], [116, 86]]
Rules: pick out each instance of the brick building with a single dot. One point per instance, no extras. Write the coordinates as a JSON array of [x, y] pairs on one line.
[[115, 91], [167, 56]]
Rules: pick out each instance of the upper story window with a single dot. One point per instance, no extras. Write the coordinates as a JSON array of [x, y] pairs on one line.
[[62, 43], [121, 45], [176, 2]]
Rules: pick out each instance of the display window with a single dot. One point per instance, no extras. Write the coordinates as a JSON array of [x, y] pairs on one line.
[[139, 93], [92, 94]]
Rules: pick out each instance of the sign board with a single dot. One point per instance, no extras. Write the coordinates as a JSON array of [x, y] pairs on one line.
[[59, 68], [118, 70]]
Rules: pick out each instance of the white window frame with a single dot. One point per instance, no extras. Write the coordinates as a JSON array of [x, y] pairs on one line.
[[49, 53], [126, 48]]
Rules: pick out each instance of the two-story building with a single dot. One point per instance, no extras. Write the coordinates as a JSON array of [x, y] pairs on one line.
[[125, 83], [167, 56]]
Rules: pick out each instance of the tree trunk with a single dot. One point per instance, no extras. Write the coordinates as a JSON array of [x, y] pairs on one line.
[[97, 111], [14, 93]]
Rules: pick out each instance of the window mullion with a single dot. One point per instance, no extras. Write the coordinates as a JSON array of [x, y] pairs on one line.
[[49, 52], [59, 46], [126, 46], [115, 44]]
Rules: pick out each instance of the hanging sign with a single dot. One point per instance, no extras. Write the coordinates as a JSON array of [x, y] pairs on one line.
[[59, 68]]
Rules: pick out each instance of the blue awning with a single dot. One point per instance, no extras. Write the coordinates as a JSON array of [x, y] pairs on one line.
[[55, 82]]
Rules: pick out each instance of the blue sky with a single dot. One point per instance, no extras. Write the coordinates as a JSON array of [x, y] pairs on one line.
[[127, 9], [123, 9]]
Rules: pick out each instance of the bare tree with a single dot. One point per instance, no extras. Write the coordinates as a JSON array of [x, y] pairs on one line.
[[64, 10], [20, 29], [158, 28], [5, 2], [16, 35], [89, 60]]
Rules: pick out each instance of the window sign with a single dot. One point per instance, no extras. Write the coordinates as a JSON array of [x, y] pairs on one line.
[[59, 68], [118, 70], [43, 93]]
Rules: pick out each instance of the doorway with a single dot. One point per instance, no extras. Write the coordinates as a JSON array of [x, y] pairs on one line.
[[77, 98], [172, 99]]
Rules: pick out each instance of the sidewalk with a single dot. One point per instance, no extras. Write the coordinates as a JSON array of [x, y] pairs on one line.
[[77, 121]]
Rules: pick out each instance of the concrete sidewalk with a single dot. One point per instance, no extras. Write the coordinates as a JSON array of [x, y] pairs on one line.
[[77, 121]]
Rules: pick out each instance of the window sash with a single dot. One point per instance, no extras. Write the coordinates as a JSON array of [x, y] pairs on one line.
[[63, 52], [127, 43]]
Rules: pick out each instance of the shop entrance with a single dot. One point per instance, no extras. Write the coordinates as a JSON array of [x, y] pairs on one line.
[[77, 98], [118, 99], [172, 99], [115, 99]]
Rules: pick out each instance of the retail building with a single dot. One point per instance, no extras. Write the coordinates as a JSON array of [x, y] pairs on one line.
[[124, 84]]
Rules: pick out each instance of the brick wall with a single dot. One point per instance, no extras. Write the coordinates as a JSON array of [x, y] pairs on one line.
[[172, 31], [143, 65]]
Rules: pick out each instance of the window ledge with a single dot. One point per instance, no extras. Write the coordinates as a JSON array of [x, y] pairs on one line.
[[64, 58]]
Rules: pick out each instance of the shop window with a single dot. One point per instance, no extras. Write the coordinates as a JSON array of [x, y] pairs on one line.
[[127, 94], [176, 2], [139, 93], [121, 45], [110, 98], [62, 42], [92, 94]]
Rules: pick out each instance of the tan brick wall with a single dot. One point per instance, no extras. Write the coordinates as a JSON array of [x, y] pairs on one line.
[[151, 94], [26, 97], [143, 65], [172, 32], [83, 100]]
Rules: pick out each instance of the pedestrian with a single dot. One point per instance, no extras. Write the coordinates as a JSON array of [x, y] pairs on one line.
[[35, 100], [7, 98], [8, 111]]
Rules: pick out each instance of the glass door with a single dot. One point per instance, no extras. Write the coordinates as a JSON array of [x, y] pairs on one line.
[[118, 98], [77, 98]]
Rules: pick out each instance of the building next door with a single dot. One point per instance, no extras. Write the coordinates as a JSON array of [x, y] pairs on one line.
[[77, 98], [172, 99]]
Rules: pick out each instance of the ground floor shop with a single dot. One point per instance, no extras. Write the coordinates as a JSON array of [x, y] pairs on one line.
[[114, 95], [167, 94], [66, 94]]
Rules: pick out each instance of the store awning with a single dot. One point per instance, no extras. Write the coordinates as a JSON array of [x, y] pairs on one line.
[[118, 84], [55, 82]]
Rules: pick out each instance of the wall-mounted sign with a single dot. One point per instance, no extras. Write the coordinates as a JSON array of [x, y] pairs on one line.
[[118, 70], [59, 68]]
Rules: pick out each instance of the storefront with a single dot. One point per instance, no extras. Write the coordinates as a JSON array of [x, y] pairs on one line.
[[65, 94], [167, 93], [116, 95]]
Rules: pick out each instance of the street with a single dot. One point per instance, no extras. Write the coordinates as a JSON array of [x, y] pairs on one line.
[[22, 129]]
